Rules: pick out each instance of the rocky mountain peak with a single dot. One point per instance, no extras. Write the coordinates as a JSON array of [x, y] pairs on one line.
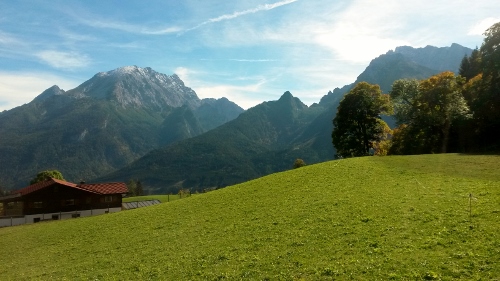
[[286, 96], [438, 58], [52, 91], [290, 101], [138, 87]]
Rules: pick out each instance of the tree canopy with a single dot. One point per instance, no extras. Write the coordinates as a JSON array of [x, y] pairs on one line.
[[403, 95], [358, 125], [482, 91], [46, 175], [298, 163], [135, 188], [470, 65], [428, 109]]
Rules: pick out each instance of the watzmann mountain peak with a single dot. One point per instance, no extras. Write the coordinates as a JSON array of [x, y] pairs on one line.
[[132, 86]]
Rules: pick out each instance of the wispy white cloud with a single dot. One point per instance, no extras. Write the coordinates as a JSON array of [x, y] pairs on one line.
[[7, 39], [360, 30], [184, 73], [259, 8], [129, 45], [64, 60], [480, 27], [253, 60], [18, 48], [20, 88], [242, 60], [160, 31], [76, 37], [127, 27]]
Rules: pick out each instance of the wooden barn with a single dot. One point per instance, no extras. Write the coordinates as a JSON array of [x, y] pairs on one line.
[[57, 196]]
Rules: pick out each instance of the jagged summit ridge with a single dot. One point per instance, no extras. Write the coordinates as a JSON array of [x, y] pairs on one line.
[[138, 87], [145, 72], [438, 58]]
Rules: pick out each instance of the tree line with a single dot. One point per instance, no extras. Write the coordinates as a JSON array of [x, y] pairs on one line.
[[443, 113]]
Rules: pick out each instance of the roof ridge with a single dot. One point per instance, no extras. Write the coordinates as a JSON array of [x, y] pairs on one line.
[[98, 188]]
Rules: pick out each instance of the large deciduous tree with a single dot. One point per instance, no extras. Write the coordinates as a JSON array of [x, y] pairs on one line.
[[403, 95], [46, 175], [426, 112], [486, 106], [357, 125], [490, 55]]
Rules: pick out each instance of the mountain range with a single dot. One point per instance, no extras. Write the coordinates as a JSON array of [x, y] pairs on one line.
[[135, 123], [104, 124]]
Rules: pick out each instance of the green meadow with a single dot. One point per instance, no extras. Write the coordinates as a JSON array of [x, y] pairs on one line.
[[427, 217]]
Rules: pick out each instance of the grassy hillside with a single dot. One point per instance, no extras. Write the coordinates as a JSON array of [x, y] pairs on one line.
[[371, 218]]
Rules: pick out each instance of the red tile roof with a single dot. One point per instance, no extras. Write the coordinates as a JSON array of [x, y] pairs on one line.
[[98, 188], [105, 188], [40, 185]]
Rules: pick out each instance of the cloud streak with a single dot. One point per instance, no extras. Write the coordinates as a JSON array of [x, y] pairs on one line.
[[242, 60], [126, 27], [64, 60], [7, 39], [260, 8], [480, 27], [253, 60]]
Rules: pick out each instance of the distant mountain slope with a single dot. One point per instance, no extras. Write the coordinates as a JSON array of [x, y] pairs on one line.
[[103, 124], [405, 62], [270, 136], [390, 67], [242, 149], [118, 116], [408, 62], [440, 59]]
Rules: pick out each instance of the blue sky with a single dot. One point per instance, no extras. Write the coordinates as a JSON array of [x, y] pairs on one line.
[[248, 51]]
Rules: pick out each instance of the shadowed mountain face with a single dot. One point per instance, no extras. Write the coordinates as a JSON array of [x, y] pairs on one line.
[[253, 144], [102, 125]]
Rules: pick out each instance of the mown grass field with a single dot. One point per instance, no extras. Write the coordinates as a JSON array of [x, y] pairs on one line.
[[371, 218]]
